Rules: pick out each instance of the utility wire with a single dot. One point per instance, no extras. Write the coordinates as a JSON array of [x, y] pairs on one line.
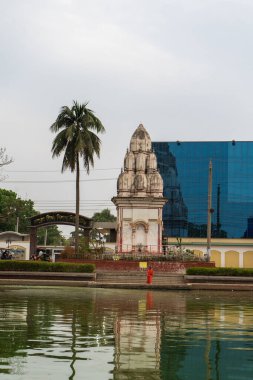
[[64, 180], [52, 171]]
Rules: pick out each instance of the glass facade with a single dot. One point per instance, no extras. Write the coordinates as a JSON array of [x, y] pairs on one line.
[[184, 168]]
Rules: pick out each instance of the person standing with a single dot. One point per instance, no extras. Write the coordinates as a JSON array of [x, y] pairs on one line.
[[150, 273]]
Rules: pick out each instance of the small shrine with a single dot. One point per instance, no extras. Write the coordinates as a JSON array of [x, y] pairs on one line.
[[139, 199]]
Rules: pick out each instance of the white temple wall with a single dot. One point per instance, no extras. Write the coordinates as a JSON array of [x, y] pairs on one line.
[[140, 236], [127, 235], [144, 214], [152, 234], [127, 213], [140, 214]]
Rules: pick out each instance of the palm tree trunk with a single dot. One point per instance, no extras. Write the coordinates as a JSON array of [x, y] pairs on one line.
[[77, 205]]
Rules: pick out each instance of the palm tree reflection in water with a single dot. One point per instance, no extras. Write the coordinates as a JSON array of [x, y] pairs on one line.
[[73, 346]]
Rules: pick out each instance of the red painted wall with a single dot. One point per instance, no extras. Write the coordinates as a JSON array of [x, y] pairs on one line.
[[124, 265]]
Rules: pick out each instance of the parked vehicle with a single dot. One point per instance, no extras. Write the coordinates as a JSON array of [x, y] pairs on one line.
[[5, 254]]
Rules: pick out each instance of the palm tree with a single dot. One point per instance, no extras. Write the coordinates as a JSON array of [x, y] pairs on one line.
[[77, 127]]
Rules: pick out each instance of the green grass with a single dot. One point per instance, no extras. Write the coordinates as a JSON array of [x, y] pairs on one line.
[[44, 266], [220, 272]]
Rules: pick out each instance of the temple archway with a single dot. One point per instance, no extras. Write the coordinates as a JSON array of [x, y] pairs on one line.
[[55, 218]]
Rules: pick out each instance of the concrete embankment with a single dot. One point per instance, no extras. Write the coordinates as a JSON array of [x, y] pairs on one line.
[[219, 282], [127, 280], [46, 278]]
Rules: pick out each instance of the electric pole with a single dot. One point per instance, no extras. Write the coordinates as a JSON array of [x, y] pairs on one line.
[[209, 211], [45, 237], [17, 223], [218, 224]]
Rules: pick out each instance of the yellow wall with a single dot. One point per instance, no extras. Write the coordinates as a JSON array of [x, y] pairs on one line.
[[223, 241], [223, 251], [248, 259], [232, 259], [198, 253], [216, 257]]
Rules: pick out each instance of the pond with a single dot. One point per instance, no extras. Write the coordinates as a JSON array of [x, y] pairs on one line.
[[80, 333]]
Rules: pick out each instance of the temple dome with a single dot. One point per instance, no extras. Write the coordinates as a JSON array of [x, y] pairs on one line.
[[151, 163], [140, 183], [156, 184], [140, 177], [124, 183], [140, 140], [129, 161], [140, 165]]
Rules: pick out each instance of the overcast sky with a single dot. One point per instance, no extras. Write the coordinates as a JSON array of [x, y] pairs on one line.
[[183, 68]]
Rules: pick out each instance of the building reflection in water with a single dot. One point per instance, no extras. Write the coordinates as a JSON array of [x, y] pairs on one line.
[[107, 334], [137, 343], [139, 337]]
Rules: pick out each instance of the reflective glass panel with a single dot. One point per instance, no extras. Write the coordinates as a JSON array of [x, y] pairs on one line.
[[184, 168]]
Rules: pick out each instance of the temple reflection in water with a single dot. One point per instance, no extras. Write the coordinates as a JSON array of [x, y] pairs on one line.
[[107, 334]]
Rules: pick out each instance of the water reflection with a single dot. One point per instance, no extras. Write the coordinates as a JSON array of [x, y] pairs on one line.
[[119, 334]]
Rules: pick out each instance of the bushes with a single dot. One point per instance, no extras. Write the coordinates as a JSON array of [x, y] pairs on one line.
[[220, 272], [44, 266], [178, 257], [68, 251], [184, 255]]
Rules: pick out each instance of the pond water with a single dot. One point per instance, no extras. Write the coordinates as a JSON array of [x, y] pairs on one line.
[[80, 333]]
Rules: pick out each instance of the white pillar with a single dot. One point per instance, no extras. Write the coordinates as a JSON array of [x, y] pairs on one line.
[[240, 259], [222, 259]]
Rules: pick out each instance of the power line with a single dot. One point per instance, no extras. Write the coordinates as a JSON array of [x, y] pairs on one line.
[[73, 200], [64, 180], [52, 171], [70, 208]]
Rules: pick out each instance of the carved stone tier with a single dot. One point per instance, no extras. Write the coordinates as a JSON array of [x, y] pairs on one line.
[[139, 163]]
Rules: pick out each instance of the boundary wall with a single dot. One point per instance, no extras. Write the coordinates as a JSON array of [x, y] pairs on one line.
[[232, 253], [129, 265]]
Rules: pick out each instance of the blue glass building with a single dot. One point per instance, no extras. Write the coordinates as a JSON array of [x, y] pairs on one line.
[[184, 168]]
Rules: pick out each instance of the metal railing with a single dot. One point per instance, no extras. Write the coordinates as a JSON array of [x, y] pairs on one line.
[[144, 249]]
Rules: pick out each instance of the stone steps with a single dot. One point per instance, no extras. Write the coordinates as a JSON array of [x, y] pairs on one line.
[[139, 278], [134, 279]]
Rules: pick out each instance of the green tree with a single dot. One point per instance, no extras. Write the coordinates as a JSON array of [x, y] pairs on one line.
[[76, 138], [53, 236], [104, 216], [14, 210]]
